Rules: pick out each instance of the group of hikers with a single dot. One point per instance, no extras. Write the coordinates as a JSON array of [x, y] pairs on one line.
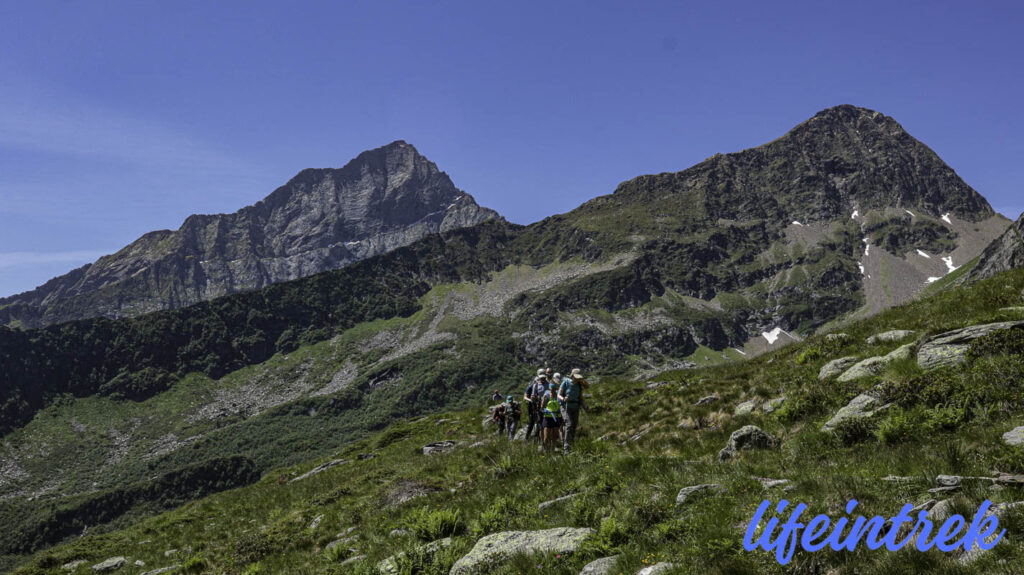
[[553, 405]]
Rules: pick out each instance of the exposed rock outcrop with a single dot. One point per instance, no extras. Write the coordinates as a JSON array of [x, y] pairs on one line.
[[322, 219]]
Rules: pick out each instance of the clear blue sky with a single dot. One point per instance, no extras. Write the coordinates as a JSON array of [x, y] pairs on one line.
[[117, 118]]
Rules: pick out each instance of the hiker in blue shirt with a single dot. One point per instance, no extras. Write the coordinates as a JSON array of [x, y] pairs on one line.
[[570, 395]]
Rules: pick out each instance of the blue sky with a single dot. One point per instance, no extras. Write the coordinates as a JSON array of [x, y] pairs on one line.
[[117, 118]]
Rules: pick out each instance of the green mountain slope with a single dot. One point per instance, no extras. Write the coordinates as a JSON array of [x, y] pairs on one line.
[[736, 256], [642, 444]]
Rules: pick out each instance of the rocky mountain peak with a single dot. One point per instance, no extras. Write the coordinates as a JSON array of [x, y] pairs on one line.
[[322, 219]]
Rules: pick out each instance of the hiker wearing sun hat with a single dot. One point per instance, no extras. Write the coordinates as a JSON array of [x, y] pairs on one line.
[[533, 396], [570, 394]]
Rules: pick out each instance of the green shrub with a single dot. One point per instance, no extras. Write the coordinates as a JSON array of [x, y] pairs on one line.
[[855, 430], [433, 524], [1006, 341]]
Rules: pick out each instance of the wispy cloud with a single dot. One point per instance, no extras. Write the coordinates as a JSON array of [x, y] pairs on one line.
[[17, 259], [39, 119]]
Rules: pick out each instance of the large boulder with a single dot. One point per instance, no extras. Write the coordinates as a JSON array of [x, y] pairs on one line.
[[890, 336], [860, 407], [950, 348], [836, 367], [875, 365], [746, 437], [491, 550], [603, 566]]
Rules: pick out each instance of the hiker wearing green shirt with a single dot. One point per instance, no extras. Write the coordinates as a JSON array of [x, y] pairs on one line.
[[570, 394]]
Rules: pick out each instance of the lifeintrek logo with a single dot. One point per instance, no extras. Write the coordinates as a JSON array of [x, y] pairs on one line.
[[846, 533]]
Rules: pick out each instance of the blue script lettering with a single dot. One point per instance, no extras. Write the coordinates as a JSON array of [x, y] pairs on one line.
[[875, 531]]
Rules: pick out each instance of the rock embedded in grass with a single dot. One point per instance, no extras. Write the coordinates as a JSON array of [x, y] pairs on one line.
[[687, 493], [773, 405], [1014, 437], [603, 566], [497, 547], [950, 348], [707, 400], [875, 365], [861, 407], [438, 447], [890, 336], [746, 407], [746, 437], [112, 564], [836, 367]]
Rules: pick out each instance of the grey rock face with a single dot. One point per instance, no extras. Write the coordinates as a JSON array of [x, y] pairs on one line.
[[746, 437], [496, 547], [835, 367], [323, 219], [950, 348], [1005, 253]]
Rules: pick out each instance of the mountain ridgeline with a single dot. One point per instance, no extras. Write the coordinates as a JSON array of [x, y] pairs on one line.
[[323, 219], [844, 216]]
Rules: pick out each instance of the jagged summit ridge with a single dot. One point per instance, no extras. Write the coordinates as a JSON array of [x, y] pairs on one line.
[[844, 158], [322, 219]]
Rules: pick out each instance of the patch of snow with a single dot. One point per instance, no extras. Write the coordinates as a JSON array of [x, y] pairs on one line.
[[924, 254], [867, 248], [861, 266], [911, 213], [353, 243], [740, 351], [796, 223], [945, 218], [855, 214], [949, 263], [932, 279], [773, 335]]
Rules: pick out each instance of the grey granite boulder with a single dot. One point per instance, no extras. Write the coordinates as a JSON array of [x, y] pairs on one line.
[[492, 549], [950, 348], [1014, 437], [875, 365], [890, 336], [746, 437], [836, 367], [860, 407], [603, 566]]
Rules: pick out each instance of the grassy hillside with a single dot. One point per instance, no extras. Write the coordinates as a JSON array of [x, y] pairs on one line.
[[641, 444]]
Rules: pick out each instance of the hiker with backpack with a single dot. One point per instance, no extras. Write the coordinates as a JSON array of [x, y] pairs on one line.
[[570, 394], [551, 410], [513, 412], [533, 396], [500, 416]]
